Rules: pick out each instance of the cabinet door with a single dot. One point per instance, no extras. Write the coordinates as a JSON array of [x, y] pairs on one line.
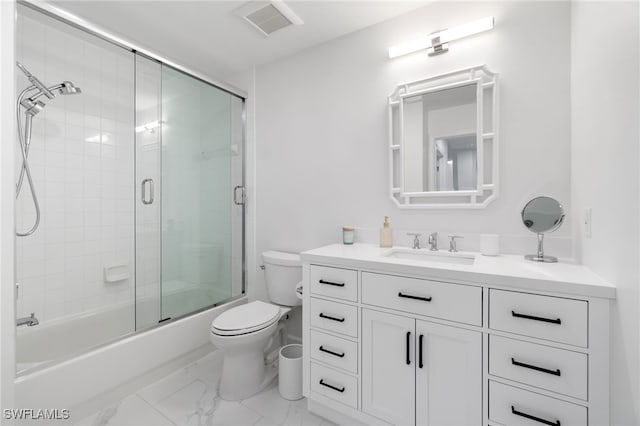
[[388, 367], [448, 375]]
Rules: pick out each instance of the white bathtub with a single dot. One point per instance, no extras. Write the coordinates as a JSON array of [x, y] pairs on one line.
[[77, 379], [60, 338]]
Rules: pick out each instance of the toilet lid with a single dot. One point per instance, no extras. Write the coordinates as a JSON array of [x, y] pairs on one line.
[[245, 318]]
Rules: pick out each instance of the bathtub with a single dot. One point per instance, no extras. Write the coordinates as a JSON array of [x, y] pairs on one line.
[[61, 338], [77, 379]]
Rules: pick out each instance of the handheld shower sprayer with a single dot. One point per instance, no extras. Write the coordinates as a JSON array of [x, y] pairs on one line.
[[33, 106]]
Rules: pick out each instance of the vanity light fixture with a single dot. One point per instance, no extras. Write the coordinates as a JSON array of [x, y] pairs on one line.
[[438, 42]]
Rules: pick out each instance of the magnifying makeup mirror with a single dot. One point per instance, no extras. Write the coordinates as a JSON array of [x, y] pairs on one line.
[[540, 215]]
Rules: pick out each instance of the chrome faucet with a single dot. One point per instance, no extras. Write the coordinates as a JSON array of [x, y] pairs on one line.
[[452, 243], [29, 321], [433, 241], [416, 240]]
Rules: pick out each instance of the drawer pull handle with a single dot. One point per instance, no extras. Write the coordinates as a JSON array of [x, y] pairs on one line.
[[331, 318], [408, 296], [534, 367], [420, 339], [537, 419], [408, 347], [331, 387], [331, 283], [331, 352], [531, 317]]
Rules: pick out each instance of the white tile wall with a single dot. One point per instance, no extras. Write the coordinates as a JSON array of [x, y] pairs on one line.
[[82, 160]]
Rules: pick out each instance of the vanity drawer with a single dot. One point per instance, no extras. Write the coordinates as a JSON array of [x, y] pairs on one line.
[[545, 317], [334, 316], [334, 282], [557, 370], [335, 351], [335, 385], [512, 406], [455, 302]]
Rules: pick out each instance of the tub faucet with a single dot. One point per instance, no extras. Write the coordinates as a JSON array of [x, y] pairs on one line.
[[433, 241], [29, 321]]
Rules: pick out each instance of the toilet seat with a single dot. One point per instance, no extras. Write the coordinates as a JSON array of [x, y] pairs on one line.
[[245, 319]]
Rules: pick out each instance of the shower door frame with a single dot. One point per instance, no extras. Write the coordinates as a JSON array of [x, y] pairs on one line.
[[94, 30]]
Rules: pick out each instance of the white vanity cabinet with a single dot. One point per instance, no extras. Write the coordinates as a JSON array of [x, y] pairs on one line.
[[388, 367], [387, 344], [419, 372], [448, 375]]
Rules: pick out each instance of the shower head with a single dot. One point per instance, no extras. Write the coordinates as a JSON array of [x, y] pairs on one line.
[[34, 80], [68, 88]]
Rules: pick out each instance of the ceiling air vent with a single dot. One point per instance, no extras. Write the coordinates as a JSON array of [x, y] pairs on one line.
[[268, 16]]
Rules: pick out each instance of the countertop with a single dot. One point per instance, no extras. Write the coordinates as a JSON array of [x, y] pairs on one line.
[[501, 271]]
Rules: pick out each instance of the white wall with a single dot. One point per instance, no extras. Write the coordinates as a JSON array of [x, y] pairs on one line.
[[605, 176], [321, 127], [7, 188]]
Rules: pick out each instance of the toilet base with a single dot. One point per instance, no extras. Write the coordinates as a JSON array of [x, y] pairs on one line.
[[244, 375]]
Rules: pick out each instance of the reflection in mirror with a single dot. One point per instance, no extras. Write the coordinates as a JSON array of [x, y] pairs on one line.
[[440, 140]]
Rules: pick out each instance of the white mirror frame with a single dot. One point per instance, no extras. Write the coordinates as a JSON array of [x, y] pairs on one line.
[[487, 190]]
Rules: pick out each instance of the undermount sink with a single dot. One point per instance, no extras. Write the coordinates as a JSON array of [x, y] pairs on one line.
[[422, 255]]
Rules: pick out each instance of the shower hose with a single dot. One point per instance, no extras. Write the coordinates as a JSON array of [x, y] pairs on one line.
[[25, 142]]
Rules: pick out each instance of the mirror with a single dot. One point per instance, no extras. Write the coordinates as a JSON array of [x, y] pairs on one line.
[[540, 215], [443, 141]]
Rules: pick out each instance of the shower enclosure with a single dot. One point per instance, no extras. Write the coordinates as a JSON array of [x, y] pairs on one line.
[[134, 213]]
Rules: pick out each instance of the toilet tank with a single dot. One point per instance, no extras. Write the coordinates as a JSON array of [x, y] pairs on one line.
[[282, 272]]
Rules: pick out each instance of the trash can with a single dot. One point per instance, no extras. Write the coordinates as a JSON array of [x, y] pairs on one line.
[[290, 372]]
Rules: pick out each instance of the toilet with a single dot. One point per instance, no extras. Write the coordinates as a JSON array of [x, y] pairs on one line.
[[245, 332]]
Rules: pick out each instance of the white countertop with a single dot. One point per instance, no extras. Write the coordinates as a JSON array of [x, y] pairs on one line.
[[501, 271]]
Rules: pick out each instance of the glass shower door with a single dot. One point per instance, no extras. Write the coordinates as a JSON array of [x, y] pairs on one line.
[[201, 225]]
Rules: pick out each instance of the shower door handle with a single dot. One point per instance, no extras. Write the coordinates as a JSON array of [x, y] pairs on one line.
[[146, 200], [239, 201]]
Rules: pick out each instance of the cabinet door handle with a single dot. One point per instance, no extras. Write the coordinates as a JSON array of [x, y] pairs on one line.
[[331, 318], [408, 347], [331, 352], [331, 386], [420, 339], [531, 317], [537, 419], [535, 367], [331, 283], [408, 296]]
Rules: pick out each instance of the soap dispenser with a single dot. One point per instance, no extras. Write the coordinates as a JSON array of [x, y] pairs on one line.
[[386, 238]]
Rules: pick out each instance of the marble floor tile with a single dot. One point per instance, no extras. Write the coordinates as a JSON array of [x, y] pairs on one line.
[[208, 368], [194, 404], [166, 386], [198, 404], [233, 413], [131, 411], [269, 404], [189, 396], [298, 415]]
